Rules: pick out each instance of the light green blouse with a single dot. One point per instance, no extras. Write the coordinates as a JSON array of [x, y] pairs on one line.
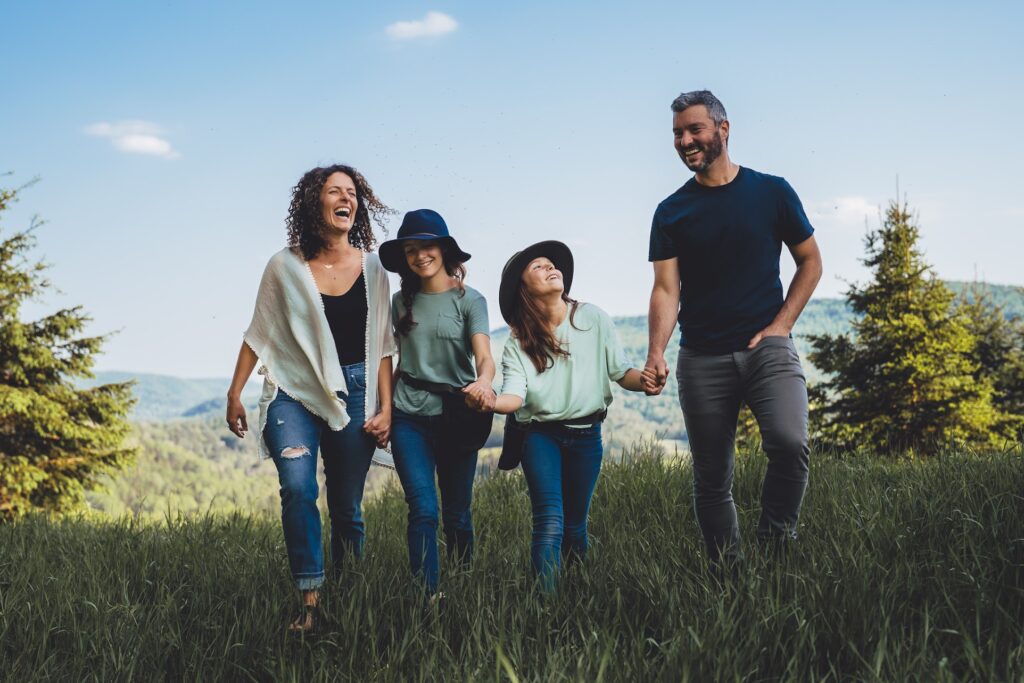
[[576, 386]]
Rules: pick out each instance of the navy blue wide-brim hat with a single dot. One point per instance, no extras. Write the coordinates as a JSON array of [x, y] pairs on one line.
[[512, 273], [421, 224]]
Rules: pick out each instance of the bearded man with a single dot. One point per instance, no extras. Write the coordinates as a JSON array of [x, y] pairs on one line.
[[715, 244]]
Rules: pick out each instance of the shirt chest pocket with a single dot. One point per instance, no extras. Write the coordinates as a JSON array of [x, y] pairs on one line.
[[449, 325]]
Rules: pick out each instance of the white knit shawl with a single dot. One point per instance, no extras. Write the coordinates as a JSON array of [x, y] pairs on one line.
[[290, 335]]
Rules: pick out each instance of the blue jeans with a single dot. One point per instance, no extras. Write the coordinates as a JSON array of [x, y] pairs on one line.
[[415, 442], [561, 465], [294, 435]]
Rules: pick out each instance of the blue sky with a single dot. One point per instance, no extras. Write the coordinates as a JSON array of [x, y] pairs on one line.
[[167, 137]]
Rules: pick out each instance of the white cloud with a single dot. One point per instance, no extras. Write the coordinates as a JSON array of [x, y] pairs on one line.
[[145, 144], [134, 137], [433, 24], [852, 211]]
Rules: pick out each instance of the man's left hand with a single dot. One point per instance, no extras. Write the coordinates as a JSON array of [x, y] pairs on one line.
[[773, 330]]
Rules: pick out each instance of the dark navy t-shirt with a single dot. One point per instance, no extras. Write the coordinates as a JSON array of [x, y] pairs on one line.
[[728, 240]]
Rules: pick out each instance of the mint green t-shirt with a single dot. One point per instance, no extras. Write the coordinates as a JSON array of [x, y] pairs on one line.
[[576, 386], [439, 347]]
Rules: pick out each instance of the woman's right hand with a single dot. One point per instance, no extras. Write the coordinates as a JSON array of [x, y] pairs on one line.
[[236, 411], [236, 417]]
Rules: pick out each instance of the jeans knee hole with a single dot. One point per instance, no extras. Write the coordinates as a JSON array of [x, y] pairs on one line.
[[294, 452]]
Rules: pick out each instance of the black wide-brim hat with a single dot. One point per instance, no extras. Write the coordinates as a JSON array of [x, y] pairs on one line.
[[512, 273], [421, 224]]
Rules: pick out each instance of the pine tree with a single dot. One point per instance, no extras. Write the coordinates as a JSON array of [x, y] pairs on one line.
[[998, 354], [56, 440], [905, 378]]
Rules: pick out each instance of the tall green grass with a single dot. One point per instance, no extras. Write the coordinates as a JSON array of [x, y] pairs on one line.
[[905, 570]]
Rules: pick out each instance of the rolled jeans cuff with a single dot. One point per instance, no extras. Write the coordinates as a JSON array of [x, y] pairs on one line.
[[309, 583]]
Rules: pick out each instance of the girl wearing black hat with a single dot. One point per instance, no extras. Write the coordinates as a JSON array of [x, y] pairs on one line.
[[558, 365], [445, 363]]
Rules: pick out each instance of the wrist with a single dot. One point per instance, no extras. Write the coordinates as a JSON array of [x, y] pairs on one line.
[[786, 328]]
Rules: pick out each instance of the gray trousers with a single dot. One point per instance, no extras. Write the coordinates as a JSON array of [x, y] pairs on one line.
[[769, 379]]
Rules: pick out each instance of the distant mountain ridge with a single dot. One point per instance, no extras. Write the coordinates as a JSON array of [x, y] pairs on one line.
[[162, 397]]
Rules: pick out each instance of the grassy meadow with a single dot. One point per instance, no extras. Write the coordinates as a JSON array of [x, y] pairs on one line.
[[905, 570]]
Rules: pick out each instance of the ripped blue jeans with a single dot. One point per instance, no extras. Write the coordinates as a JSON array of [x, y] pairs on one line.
[[294, 436]]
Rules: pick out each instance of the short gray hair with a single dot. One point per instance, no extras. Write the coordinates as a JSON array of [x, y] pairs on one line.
[[690, 99]]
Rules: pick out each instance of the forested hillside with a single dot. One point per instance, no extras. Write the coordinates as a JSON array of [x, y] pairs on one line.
[[1007, 297]]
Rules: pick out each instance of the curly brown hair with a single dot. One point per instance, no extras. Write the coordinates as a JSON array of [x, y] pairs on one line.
[[305, 220], [411, 283]]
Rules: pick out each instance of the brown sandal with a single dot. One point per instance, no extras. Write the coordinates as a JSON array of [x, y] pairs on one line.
[[305, 622]]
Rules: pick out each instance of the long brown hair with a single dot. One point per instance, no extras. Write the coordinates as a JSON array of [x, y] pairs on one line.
[[411, 284], [535, 336]]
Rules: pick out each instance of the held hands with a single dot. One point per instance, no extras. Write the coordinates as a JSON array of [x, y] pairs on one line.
[[236, 417], [650, 382], [379, 427], [773, 330], [480, 396], [655, 375]]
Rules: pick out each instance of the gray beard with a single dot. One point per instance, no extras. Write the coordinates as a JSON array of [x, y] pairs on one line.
[[711, 154]]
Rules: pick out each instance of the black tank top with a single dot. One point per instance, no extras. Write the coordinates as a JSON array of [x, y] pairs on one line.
[[346, 314]]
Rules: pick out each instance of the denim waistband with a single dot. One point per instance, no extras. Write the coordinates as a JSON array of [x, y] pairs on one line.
[[353, 373], [354, 370]]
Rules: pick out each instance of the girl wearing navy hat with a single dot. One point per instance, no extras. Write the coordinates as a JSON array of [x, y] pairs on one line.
[[557, 366], [445, 365]]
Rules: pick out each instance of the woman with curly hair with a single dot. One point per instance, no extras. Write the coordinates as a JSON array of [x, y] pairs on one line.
[[558, 365], [445, 361], [321, 330]]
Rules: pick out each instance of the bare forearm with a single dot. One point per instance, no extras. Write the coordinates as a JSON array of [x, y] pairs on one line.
[[484, 360], [661, 319], [485, 370], [800, 290], [632, 380], [384, 385], [243, 369], [507, 403], [395, 376]]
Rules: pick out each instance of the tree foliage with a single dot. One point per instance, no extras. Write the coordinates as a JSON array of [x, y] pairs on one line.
[[56, 439], [999, 352], [907, 375]]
